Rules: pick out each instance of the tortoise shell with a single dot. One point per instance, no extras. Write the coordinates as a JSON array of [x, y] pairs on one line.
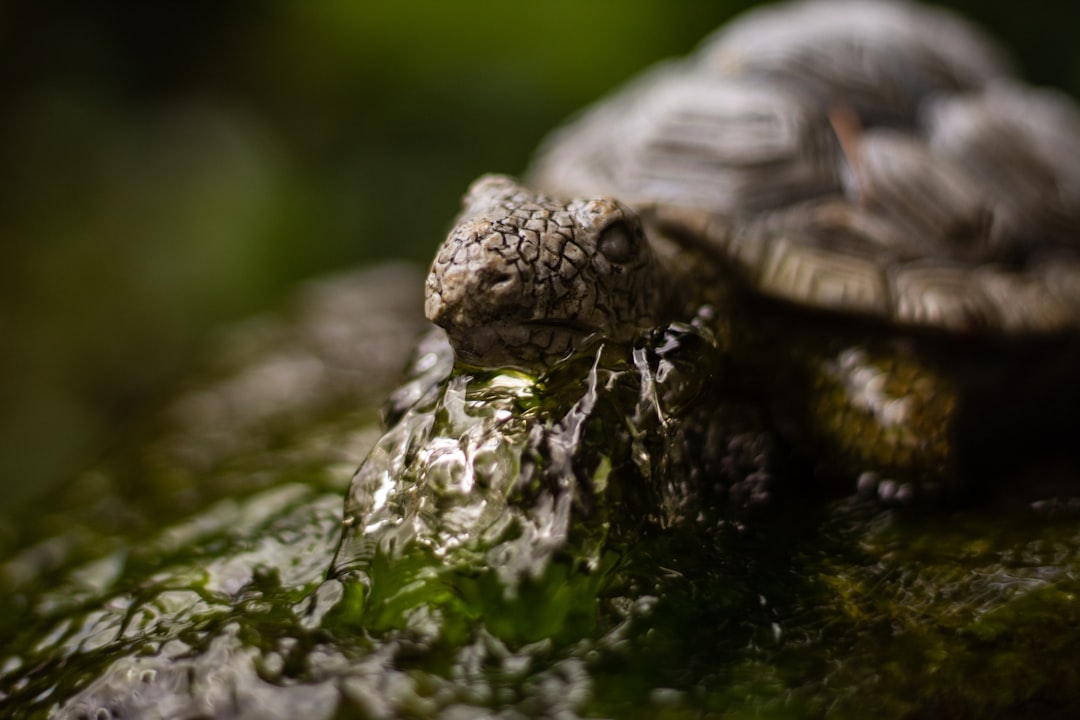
[[874, 158]]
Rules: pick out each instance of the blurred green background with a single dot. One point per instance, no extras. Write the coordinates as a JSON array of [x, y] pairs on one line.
[[169, 167]]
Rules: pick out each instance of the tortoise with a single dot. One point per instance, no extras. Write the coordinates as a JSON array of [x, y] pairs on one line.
[[885, 221]]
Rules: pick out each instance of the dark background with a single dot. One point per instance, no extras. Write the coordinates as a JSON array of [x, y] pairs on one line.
[[167, 167]]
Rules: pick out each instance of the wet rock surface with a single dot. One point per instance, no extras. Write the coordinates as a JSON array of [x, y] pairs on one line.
[[593, 567]]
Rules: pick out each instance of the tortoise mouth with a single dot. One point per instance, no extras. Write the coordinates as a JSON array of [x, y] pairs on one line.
[[530, 344], [570, 326]]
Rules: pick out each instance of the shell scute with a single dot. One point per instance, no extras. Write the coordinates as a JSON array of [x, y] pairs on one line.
[[871, 158]]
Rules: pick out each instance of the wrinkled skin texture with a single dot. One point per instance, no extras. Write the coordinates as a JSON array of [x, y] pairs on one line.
[[523, 279]]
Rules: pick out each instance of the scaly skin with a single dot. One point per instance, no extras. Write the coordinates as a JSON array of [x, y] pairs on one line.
[[523, 279]]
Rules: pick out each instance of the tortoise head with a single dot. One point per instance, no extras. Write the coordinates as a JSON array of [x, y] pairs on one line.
[[524, 279]]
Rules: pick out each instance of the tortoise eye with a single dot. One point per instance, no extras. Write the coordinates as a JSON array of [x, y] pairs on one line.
[[617, 243]]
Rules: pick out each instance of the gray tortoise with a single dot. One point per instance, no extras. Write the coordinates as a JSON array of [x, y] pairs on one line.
[[856, 169]]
